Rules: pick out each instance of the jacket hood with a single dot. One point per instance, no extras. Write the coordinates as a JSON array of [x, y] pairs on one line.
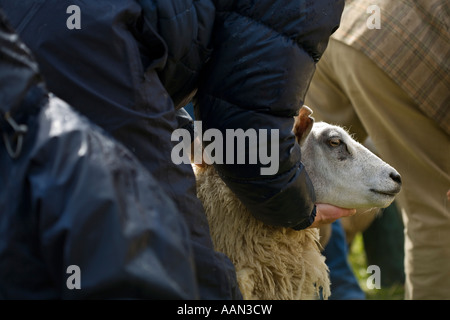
[[19, 70]]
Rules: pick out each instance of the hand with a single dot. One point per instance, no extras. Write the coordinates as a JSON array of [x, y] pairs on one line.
[[327, 213]]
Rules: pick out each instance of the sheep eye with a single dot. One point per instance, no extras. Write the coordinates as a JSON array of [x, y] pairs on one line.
[[334, 142]]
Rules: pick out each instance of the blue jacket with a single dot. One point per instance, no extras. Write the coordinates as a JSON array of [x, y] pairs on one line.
[[245, 63], [80, 216]]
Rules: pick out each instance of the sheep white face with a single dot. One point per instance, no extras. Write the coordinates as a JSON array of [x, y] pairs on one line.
[[344, 172]]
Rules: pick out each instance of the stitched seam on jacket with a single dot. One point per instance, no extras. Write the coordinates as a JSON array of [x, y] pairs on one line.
[[277, 176], [299, 45], [178, 14], [265, 110]]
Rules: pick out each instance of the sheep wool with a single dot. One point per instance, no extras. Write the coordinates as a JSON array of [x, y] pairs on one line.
[[272, 263]]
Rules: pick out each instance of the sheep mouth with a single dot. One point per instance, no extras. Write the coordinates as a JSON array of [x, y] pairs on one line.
[[391, 193]]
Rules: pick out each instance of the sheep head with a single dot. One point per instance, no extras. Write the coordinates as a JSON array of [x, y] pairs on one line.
[[343, 172]]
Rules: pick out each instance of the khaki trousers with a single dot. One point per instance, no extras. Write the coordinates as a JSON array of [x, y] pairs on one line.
[[350, 90]]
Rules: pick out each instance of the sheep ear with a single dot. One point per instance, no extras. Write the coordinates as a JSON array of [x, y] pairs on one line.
[[303, 124]]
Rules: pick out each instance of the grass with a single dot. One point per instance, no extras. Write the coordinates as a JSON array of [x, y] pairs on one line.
[[358, 261]]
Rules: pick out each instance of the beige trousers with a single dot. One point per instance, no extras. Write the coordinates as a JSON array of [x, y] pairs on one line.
[[350, 90]]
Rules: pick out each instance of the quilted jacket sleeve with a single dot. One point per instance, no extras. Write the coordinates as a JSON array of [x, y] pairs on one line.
[[264, 58]]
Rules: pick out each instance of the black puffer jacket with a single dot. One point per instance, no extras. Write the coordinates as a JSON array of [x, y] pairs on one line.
[[72, 197], [133, 63], [264, 58]]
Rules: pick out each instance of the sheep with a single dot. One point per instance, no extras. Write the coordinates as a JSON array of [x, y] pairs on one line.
[[281, 263]]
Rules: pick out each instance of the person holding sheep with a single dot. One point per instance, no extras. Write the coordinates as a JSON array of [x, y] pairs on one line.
[[130, 66]]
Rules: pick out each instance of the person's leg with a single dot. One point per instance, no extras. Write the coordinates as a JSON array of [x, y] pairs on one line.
[[329, 102], [344, 285], [415, 145], [384, 246]]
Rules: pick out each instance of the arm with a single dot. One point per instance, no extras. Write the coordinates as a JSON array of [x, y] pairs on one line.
[[257, 78]]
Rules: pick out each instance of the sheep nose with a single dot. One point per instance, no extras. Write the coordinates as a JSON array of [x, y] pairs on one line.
[[396, 177]]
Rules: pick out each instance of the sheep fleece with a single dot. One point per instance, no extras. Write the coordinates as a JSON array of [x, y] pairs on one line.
[[271, 262]]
